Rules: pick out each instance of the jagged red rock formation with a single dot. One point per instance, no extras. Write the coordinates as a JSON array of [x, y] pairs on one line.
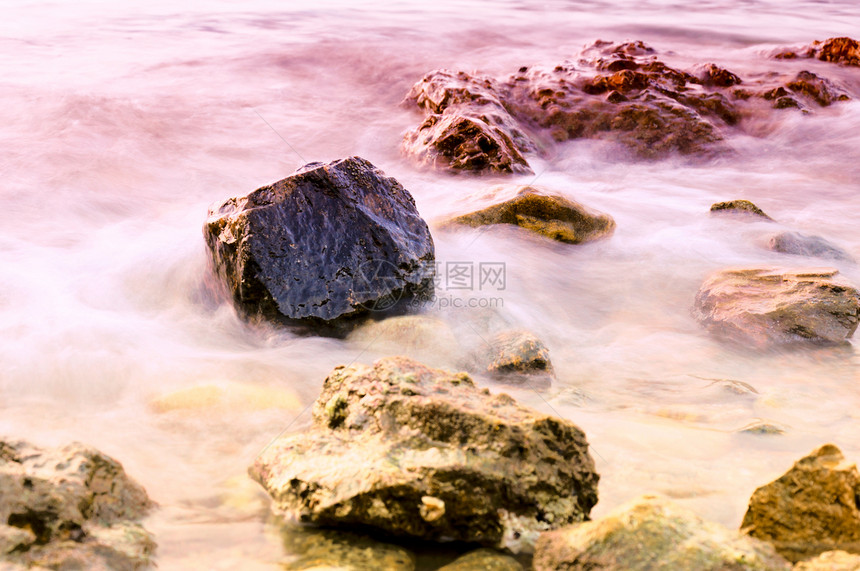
[[620, 93]]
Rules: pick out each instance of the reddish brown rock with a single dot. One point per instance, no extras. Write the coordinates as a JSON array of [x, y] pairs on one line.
[[840, 50], [618, 93]]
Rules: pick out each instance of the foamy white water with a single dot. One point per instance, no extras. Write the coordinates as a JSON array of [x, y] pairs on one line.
[[121, 123]]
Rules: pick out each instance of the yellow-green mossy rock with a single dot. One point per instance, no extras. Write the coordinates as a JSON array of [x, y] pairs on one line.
[[739, 208], [653, 534], [765, 307], [420, 452], [316, 549], [483, 560], [552, 216], [810, 509], [831, 561]]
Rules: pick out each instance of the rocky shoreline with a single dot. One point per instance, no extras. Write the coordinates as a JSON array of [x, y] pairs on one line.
[[410, 450]]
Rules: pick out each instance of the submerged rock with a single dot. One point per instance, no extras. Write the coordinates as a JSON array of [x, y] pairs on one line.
[[552, 216], [483, 560], [831, 561], [648, 534], [326, 244], [799, 244], [70, 508], [317, 549], [765, 307], [838, 50], [739, 207], [518, 351], [421, 337], [414, 451], [810, 509]]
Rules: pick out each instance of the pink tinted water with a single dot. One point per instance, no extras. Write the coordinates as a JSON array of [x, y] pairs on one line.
[[121, 123]]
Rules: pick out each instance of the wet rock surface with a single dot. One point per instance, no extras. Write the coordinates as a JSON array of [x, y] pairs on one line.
[[841, 50], [326, 244], [518, 351], [483, 560], [810, 509], [652, 533], [743, 208], [414, 451], [798, 244], [551, 216], [765, 307], [333, 549], [70, 508], [620, 93]]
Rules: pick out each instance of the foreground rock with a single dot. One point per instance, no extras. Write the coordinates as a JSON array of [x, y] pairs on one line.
[[70, 508], [618, 93], [419, 452], [765, 307], [552, 216], [739, 208], [798, 244], [810, 509], [652, 533], [483, 560], [831, 561], [326, 244]]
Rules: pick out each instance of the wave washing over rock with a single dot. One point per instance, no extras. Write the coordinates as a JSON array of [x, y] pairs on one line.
[[424, 370], [617, 92]]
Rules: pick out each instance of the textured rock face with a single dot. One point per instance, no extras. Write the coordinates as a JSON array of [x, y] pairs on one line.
[[327, 243], [518, 351], [420, 452], [620, 93], [810, 509], [468, 127], [70, 508], [739, 207], [799, 244], [765, 307], [554, 217], [650, 534], [835, 50]]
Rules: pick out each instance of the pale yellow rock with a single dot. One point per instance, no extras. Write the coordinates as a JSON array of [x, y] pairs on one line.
[[831, 561], [230, 395]]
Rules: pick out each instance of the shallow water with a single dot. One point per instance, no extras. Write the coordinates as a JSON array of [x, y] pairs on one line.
[[121, 124]]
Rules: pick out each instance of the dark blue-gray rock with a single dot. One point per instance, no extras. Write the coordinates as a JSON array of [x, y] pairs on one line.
[[331, 242], [799, 244]]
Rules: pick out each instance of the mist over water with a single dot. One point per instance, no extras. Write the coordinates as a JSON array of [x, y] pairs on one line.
[[120, 124]]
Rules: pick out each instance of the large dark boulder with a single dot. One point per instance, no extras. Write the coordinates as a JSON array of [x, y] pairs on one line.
[[328, 243], [421, 452]]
